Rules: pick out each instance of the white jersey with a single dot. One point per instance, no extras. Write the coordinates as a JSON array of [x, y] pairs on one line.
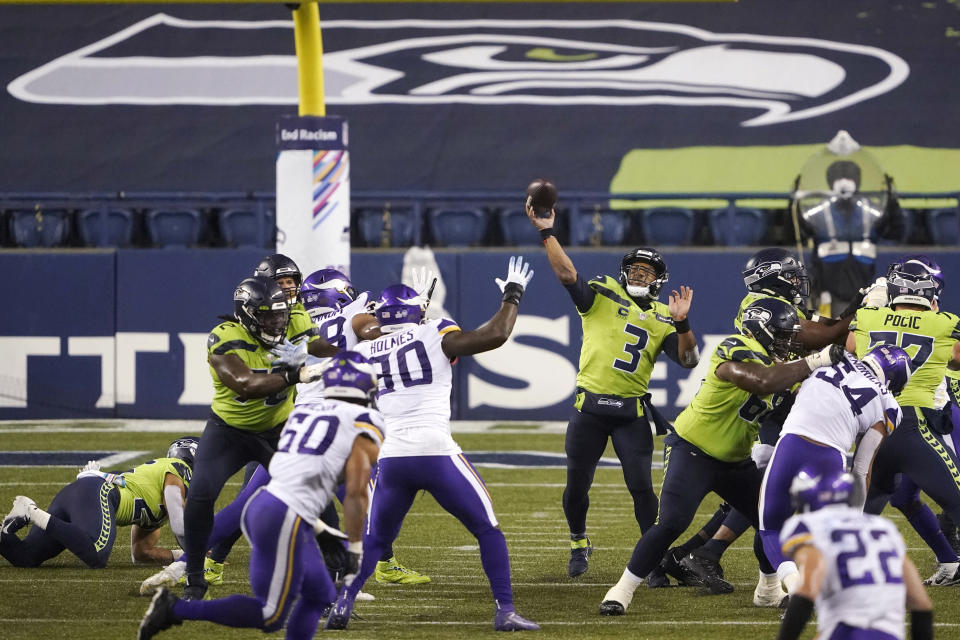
[[336, 327], [313, 449], [863, 555], [837, 404], [416, 378]]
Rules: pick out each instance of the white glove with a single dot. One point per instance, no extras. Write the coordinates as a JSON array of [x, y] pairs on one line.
[[92, 465], [876, 294], [313, 372], [422, 277], [518, 272], [322, 528], [761, 454], [289, 354], [826, 357]]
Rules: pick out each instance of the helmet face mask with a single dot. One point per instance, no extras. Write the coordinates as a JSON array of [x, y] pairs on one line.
[[281, 268], [812, 489], [774, 324], [890, 364], [184, 449], [261, 308], [350, 376], [399, 308], [777, 272], [647, 266], [915, 280]]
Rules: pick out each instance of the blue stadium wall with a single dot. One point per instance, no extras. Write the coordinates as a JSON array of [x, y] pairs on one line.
[[90, 334]]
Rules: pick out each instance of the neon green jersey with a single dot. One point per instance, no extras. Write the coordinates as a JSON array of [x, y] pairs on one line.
[[141, 500], [753, 296], [253, 414], [723, 420], [927, 336], [621, 341]]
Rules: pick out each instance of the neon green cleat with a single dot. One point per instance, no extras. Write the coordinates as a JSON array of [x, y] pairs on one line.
[[212, 572], [392, 572]]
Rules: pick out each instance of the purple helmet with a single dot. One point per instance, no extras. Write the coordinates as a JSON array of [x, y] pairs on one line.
[[814, 489], [890, 364], [914, 280], [320, 301], [398, 309], [350, 376], [329, 279]]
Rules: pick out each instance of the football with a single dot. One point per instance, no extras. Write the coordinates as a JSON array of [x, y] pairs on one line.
[[543, 197]]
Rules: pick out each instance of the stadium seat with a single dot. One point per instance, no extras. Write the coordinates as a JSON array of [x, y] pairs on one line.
[[460, 227], [516, 228], [737, 226], [39, 228], [944, 226], [599, 227], [388, 225], [247, 226], [176, 227], [909, 222], [116, 230], [668, 226]]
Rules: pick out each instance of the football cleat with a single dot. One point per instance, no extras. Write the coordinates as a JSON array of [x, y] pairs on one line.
[[707, 572], [513, 621], [672, 567], [616, 601], [392, 572], [658, 578], [950, 530], [212, 572], [580, 550], [19, 515], [363, 596], [195, 591], [771, 596], [339, 616], [947, 574], [159, 615]]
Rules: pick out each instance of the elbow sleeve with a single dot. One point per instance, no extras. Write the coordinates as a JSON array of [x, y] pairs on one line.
[[174, 502], [864, 456]]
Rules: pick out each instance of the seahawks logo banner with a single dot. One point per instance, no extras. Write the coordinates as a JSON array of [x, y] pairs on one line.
[[449, 96]]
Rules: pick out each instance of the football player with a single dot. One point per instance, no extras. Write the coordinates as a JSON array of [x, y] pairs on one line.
[[83, 517], [285, 272], [917, 449], [624, 328], [414, 361], [853, 567], [852, 401], [290, 583], [252, 398], [710, 447]]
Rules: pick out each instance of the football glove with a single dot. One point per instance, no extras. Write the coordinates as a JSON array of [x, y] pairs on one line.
[[828, 356], [518, 272], [761, 454], [92, 465], [876, 294], [290, 355]]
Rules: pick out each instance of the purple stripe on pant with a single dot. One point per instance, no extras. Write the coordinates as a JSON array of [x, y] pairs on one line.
[[792, 453], [285, 563], [458, 488]]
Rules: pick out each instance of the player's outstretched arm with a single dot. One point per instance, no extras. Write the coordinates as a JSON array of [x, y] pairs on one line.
[[238, 377], [679, 305], [762, 380], [497, 329], [812, 571], [355, 500], [321, 348], [559, 260], [816, 335], [863, 460], [918, 603]]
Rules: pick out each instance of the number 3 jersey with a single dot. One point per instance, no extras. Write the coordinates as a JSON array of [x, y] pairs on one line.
[[863, 556], [416, 378], [836, 404], [313, 450]]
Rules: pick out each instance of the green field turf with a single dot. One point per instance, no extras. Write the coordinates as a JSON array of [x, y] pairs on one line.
[[64, 600]]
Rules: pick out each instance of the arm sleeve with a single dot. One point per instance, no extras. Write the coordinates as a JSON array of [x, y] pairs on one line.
[[670, 347], [174, 503], [583, 296]]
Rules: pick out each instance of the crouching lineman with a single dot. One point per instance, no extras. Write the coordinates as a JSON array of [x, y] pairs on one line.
[[854, 566], [850, 401], [420, 455], [83, 517], [710, 449], [321, 441]]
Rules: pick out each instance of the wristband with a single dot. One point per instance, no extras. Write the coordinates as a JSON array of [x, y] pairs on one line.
[[682, 326], [176, 553], [799, 610], [921, 625], [512, 293], [547, 233], [291, 376], [355, 547]]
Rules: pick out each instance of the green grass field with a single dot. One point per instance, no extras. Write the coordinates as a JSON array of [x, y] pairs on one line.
[[64, 600]]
